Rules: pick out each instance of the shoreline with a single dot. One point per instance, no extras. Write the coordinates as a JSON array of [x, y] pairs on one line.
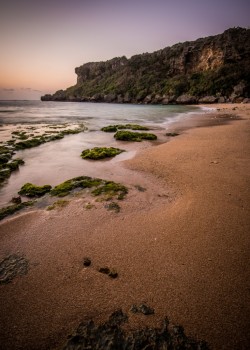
[[178, 254]]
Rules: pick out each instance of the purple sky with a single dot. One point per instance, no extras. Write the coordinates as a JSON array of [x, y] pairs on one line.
[[43, 41]]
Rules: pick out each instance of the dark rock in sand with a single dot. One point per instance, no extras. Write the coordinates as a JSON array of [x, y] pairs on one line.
[[86, 262], [16, 200], [11, 267], [110, 335], [110, 272], [143, 308]]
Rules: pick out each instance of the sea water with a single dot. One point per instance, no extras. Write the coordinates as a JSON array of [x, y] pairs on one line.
[[56, 161]]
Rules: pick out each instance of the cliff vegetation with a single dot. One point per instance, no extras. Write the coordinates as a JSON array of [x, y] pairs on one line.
[[208, 70]]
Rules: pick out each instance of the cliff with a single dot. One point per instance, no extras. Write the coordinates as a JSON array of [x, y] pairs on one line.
[[212, 69]]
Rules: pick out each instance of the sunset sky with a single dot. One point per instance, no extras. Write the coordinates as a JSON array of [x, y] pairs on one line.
[[43, 41]]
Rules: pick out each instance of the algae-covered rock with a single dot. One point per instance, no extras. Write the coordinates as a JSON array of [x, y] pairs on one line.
[[36, 141], [113, 206], [31, 190], [114, 128], [125, 135], [77, 182], [4, 174], [101, 153], [11, 209], [111, 189]]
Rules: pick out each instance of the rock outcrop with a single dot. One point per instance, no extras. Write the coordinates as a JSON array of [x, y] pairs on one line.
[[208, 70]]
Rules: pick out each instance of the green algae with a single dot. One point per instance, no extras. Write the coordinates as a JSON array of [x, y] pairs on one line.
[[111, 189], [30, 190], [36, 141], [4, 174], [7, 168], [113, 206], [39, 140], [89, 206], [101, 187], [61, 203], [11, 209], [125, 135], [66, 187], [114, 128], [97, 153]]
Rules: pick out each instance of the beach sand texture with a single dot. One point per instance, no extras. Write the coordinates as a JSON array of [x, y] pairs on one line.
[[186, 253]]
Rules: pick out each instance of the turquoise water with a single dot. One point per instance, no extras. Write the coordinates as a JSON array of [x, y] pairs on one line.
[[57, 161]]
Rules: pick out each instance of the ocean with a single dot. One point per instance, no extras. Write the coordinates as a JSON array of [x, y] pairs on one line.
[[56, 161]]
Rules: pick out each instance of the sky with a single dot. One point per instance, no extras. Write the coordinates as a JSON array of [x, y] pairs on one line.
[[41, 42]]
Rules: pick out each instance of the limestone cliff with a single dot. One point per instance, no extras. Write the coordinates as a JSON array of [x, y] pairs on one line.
[[206, 70]]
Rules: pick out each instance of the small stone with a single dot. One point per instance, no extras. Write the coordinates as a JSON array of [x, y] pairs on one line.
[[146, 310], [16, 200], [86, 262], [104, 270], [110, 272], [113, 274], [134, 309]]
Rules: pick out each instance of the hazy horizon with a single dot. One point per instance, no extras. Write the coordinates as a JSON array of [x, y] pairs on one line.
[[43, 42]]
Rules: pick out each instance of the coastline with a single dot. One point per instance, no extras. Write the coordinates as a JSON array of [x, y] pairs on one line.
[[184, 254]]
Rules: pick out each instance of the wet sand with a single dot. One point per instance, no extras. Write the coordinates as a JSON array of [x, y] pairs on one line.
[[181, 246]]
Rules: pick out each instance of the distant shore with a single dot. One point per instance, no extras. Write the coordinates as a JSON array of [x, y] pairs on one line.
[[179, 244]]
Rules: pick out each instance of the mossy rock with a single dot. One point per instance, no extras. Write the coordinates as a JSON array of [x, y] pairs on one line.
[[114, 128], [125, 135], [109, 128], [113, 206], [11, 209], [97, 153], [78, 182], [30, 190], [111, 189], [29, 143], [108, 188], [4, 174], [7, 168], [4, 158], [4, 150]]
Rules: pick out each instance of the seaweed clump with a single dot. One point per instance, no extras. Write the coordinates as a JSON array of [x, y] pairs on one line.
[[125, 135], [11, 209], [30, 190], [100, 153], [114, 128], [7, 168], [66, 187], [111, 189], [108, 188], [110, 335], [58, 204]]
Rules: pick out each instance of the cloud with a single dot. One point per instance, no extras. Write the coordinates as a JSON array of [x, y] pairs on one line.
[[30, 89]]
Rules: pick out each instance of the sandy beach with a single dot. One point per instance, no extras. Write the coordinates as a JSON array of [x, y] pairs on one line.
[[181, 245]]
